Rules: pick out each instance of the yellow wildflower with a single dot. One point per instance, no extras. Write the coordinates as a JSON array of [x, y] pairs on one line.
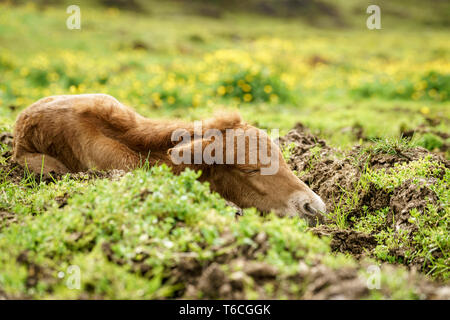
[[416, 95], [248, 97], [425, 110], [273, 98], [171, 100], [221, 90], [73, 89], [24, 71], [196, 100], [246, 87], [432, 93], [420, 85]]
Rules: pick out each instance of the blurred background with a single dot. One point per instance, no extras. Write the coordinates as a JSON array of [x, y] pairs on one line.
[[277, 62]]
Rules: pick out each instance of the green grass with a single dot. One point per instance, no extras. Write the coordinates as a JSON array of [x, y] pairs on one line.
[[148, 220]]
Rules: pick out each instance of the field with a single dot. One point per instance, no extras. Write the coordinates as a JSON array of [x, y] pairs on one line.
[[364, 120]]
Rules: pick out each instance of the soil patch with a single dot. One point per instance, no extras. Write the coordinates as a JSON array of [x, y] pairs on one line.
[[354, 242], [7, 218], [6, 138], [36, 273], [237, 267]]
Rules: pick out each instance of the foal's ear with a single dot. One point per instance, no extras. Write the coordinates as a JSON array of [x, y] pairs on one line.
[[199, 152], [223, 120], [208, 149], [188, 154]]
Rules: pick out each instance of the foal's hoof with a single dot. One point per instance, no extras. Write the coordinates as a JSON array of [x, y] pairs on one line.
[[238, 210]]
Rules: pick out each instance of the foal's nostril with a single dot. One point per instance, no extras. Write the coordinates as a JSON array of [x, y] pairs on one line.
[[309, 209]]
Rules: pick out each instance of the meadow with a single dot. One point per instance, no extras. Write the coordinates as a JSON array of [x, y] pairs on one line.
[[373, 139]]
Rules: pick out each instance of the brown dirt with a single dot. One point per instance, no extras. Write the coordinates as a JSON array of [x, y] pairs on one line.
[[228, 280], [12, 171], [62, 200], [410, 196], [36, 273], [355, 242], [236, 267], [387, 161], [7, 218], [325, 173]]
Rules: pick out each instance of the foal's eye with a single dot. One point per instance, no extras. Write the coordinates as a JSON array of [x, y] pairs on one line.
[[250, 171]]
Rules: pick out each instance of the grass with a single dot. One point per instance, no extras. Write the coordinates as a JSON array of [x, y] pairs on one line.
[[148, 220], [391, 146]]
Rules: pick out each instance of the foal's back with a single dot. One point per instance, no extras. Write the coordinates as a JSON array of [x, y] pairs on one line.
[[74, 133]]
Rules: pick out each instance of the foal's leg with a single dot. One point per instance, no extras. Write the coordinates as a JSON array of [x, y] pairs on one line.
[[103, 153], [41, 163]]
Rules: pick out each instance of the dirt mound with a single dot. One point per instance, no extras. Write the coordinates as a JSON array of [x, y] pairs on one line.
[[406, 197], [378, 160], [320, 282], [228, 280], [306, 147], [410, 196], [322, 169], [354, 242], [334, 174], [11, 171], [331, 172], [236, 267]]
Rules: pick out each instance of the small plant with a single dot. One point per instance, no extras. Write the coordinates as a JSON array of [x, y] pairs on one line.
[[315, 155], [288, 150], [436, 85], [430, 86], [391, 146], [430, 141], [247, 86]]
